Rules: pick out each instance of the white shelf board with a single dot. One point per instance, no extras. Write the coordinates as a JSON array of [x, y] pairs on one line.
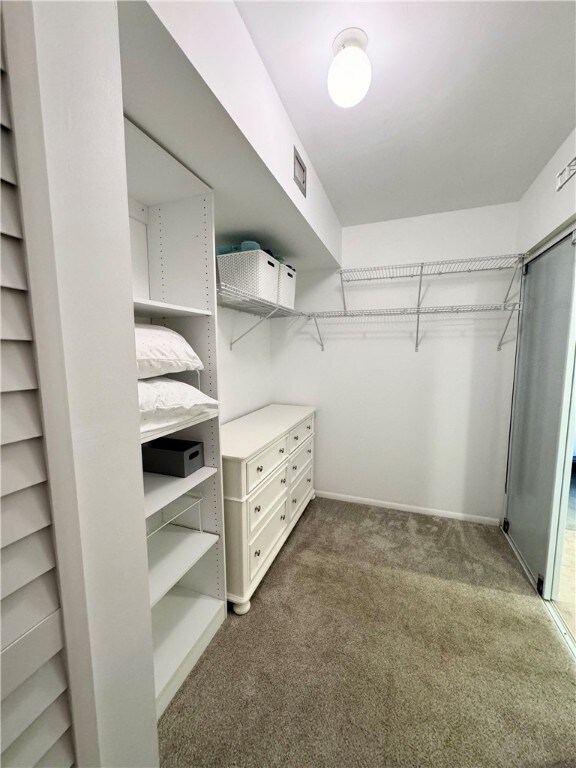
[[162, 309], [173, 428], [172, 551], [183, 623], [160, 490]]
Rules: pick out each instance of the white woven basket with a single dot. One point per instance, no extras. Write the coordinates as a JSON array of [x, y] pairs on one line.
[[254, 272], [286, 286]]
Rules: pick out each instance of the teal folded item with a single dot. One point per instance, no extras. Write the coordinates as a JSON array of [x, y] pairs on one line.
[[222, 250], [249, 245]]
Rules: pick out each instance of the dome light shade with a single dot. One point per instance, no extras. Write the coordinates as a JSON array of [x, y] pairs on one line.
[[350, 73]]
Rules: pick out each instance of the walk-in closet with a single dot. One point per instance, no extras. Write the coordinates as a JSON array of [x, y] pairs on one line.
[[288, 353]]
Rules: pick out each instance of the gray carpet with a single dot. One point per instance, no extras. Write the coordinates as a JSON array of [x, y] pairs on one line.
[[381, 639]]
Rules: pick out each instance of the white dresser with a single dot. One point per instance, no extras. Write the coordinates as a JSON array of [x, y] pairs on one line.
[[268, 473]]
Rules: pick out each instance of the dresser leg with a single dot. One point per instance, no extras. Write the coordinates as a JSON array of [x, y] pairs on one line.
[[241, 608]]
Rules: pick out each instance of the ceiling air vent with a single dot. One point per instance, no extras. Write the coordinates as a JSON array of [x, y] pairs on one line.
[[299, 172]]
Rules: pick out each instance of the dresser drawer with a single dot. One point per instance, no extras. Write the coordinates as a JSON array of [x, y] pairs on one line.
[[300, 458], [300, 433], [267, 538], [299, 492], [258, 468], [265, 497]]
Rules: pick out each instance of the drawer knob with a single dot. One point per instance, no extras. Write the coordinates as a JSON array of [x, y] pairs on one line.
[[294, 501], [296, 437], [258, 508], [260, 468], [281, 450], [257, 553], [283, 481], [309, 479], [309, 450], [295, 467], [309, 427], [282, 517]]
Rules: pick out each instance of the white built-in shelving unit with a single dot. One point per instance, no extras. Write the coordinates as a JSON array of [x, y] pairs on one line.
[[174, 281], [229, 296]]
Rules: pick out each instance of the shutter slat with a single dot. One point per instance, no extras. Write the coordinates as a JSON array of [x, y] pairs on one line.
[[25, 560], [7, 160], [5, 117], [16, 325], [13, 272], [20, 417], [22, 464], [23, 513], [61, 755], [21, 708], [11, 224], [18, 367], [27, 607], [30, 652], [36, 740]]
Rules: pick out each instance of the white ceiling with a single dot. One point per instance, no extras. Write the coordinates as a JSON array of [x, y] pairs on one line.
[[468, 101]]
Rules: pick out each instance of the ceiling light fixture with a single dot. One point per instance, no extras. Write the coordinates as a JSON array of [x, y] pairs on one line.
[[350, 73]]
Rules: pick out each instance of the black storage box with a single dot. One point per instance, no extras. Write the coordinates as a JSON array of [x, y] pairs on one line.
[[168, 456]]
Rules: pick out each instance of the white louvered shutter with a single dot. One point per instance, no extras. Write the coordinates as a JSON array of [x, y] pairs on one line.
[[36, 721]]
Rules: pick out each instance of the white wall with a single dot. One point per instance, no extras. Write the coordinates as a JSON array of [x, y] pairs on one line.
[[245, 374], [425, 430], [216, 41], [542, 209]]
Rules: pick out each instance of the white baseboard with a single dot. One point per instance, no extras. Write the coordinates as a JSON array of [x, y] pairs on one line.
[[409, 508]]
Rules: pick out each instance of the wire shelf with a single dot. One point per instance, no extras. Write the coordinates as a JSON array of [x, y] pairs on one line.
[[413, 311], [234, 298], [449, 267]]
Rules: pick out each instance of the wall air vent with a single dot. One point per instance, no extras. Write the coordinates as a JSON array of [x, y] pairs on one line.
[[299, 172]]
